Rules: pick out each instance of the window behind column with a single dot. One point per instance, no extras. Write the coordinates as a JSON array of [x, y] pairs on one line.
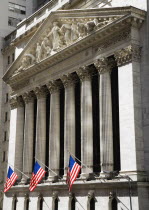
[[114, 204], [115, 118]]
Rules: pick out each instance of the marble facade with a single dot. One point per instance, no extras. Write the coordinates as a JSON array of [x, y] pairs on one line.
[[70, 47]]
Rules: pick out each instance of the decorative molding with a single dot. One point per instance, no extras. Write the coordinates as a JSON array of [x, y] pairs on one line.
[[16, 102], [104, 65], [128, 54], [68, 33], [85, 73], [41, 92], [68, 80], [28, 97], [124, 35], [54, 86]]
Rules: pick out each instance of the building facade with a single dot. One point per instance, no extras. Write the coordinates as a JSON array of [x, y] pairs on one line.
[[78, 86]]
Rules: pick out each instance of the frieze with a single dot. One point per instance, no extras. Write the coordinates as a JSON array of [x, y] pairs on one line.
[[65, 33], [128, 54], [60, 36]]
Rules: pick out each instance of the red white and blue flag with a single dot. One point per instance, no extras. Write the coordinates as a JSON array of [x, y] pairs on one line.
[[10, 180], [37, 175], [73, 171]]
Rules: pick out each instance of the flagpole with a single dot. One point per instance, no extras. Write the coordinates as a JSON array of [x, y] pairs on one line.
[[18, 170], [78, 160], [48, 168]]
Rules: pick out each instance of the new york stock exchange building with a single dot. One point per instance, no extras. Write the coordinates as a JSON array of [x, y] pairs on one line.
[[79, 86]]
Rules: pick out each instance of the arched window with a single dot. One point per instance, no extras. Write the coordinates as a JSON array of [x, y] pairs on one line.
[[114, 204], [41, 204], [73, 204], [56, 204], [92, 204]]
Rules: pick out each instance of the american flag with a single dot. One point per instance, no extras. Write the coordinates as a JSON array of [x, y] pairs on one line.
[[37, 175], [73, 171], [10, 180]]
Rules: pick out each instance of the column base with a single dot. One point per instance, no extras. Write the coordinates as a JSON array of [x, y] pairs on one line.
[[108, 174], [88, 176], [53, 179], [24, 181]]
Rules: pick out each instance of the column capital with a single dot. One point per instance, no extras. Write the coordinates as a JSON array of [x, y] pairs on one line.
[[128, 54], [54, 86], [28, 97], [16, 102], [68, 80], [104, 65], [41, 91], [85, 72]]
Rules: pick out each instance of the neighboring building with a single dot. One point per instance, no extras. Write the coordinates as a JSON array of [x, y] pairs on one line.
[[11, 13], [79, 84]]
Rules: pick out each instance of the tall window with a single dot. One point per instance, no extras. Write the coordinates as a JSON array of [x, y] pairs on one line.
[[15, 204], [56, 204], [27, 204], [92, 204], [73, 204], [41, 204], [8, 60], [114, 204], [4, 156]]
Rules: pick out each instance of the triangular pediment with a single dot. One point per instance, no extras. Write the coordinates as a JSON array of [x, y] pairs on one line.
[[63, 33]]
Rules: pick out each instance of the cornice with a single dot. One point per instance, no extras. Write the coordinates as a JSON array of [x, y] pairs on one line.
[[101, 36]]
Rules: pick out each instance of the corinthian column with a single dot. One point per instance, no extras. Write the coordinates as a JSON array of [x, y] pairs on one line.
[[41, 93], [54, 130], [19, 137], [84, 74], [28, 134], [106, 133], [69, 124], [15, 150]]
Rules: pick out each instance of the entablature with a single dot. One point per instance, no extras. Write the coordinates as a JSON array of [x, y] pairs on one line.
[[66, 33]]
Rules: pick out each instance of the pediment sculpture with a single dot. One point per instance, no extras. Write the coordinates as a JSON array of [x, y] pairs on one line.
[[59, 36]]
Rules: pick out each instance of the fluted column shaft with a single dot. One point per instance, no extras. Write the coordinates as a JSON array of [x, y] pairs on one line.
[[54, 130], [106, 132], [69, 119], [86, 120], [18, 164], [40, 153], [28, 134]]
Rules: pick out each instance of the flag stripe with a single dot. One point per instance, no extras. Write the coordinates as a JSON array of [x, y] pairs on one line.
[[37, 175], [10, 181], [73, 171]]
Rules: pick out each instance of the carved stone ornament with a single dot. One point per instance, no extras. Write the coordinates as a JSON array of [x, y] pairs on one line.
[[16, 102], [41, 91], [60, 36], [85, 73], [68, 80], [128, 54], [103, 65], [54, 86], [28, 97], [66, 33]]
